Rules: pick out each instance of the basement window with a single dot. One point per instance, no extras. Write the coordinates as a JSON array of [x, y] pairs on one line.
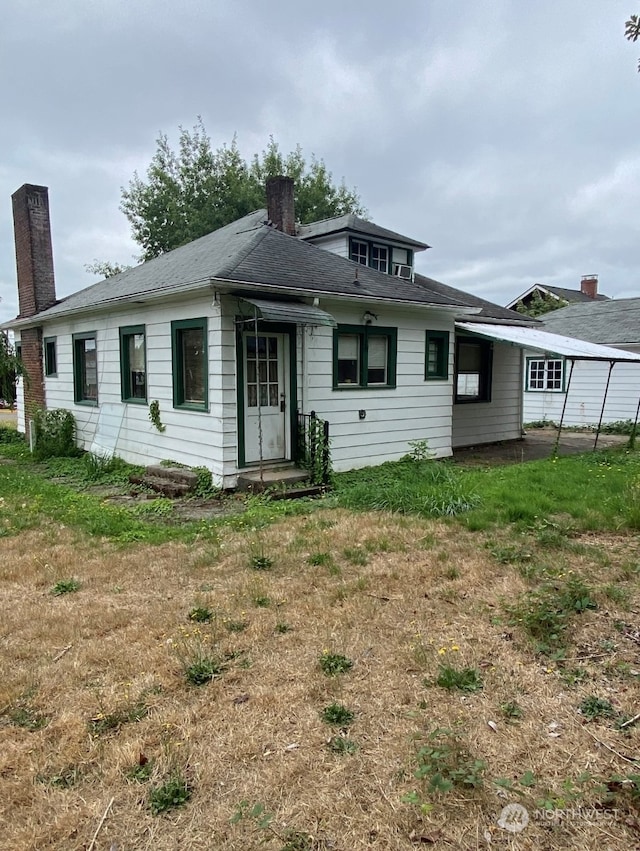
[[85, 368], [545, 375], [133, 364], [50, 357]]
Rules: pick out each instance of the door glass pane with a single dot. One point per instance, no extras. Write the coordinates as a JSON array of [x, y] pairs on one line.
[[262, 372]]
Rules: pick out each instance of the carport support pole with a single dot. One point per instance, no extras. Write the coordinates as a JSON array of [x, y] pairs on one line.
[[632, 436], [564, 408], [612, 363]]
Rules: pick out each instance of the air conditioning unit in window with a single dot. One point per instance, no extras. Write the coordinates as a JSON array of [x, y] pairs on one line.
[[401, 270]]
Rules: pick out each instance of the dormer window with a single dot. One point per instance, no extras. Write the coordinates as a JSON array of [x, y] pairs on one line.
[[380, 258], [359, 252], [389, 259]]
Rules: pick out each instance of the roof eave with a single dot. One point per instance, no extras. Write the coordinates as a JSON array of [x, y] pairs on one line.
[[231, 285], [107, 304]]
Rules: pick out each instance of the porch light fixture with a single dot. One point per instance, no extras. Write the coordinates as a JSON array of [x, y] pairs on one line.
[[368, 317]]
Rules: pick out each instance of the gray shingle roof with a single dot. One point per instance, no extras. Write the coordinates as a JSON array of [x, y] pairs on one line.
[[573, 296], [610, 322], [355, 224], [489, 310], [256, 257], [249, 251]]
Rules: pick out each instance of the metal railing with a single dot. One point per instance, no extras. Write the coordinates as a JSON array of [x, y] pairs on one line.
[[313, 453]]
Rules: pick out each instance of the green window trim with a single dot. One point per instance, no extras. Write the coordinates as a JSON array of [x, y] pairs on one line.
[[436, 369], [194, 362], [364, 334], [49, 345], [133, 383], [548, 375], [481, 351], [82, 368], [373, 262]]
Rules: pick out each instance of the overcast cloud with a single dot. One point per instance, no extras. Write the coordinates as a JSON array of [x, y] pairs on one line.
[[504, 134]]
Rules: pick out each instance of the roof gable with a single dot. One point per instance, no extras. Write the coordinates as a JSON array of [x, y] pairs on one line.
[[568, 295]]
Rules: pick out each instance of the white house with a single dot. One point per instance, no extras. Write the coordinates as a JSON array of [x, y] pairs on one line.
[[235, 337], [616, 385]]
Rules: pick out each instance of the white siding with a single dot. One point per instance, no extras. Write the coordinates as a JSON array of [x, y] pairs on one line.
[[21, 425], [586, 395], [501, 418], [191, 437], [414, 410], [336, 243]]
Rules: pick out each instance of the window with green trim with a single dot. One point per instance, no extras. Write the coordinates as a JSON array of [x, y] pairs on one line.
[[359, 252], [436, 364], [364, 356], [50, 357], [380, 258], [85, 368], [385, 258], [133, 363], [473, 369], [190, 364]]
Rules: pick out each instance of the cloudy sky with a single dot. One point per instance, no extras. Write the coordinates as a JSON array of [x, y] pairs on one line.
[[504, 133]]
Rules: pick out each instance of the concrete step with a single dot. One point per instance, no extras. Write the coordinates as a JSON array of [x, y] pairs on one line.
[[287, 476], [166, 487], [173, 474]]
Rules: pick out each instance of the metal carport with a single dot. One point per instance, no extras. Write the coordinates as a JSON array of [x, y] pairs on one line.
[[556, 344]]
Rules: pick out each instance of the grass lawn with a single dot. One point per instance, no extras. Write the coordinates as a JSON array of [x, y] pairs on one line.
[[387, 668]]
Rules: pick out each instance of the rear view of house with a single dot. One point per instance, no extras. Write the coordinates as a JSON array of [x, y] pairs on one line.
[[215, 353]]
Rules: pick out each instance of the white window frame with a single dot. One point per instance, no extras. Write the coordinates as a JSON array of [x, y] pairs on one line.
[[545, 375]]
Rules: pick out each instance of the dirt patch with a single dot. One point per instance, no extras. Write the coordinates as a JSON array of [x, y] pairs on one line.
[[536, 445]]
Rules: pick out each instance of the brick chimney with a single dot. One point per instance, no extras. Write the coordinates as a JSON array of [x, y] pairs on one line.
[[280, 204], [36, 284], [589, 285]]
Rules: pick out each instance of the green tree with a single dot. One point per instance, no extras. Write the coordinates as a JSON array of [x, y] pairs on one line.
[[540, 303], [105, 268], [192, 191], [632, 30], [10, 369]]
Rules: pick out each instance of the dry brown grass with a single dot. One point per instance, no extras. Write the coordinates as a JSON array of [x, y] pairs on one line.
[[255, 733]]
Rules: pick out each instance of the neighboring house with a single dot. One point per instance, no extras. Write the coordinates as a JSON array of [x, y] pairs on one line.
[[611, 323], [587, 293], [236, 336]]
